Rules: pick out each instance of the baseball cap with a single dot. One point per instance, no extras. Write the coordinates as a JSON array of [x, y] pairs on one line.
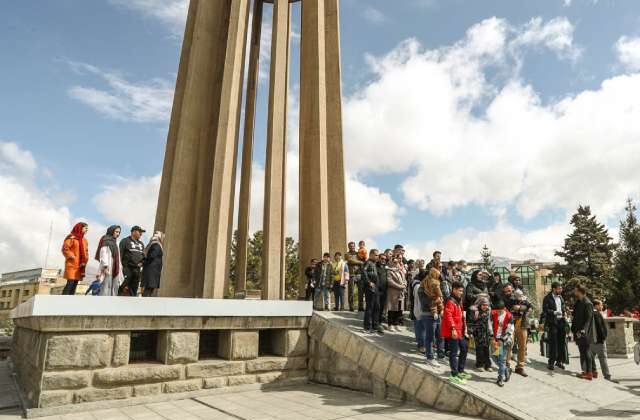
[[138, 228]]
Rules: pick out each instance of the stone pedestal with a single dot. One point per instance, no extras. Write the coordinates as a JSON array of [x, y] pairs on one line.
[[76, 349], [620, 340]]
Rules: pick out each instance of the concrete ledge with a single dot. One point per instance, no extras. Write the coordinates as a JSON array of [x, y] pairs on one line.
[[83, 306], [98, 405]]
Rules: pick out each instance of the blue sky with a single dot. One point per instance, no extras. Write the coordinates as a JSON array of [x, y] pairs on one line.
[[466, 122]]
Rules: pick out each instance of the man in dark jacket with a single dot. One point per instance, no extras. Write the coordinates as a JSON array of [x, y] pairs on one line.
[[382, 287], [555, 323], [476, 288], [600, 346], [583, 331], [371, 281], [323, 280], [132, 257], [309, 274]]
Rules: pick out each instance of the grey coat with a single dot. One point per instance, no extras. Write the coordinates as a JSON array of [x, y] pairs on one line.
[[396, 285]]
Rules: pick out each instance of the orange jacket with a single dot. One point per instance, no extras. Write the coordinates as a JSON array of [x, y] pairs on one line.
[[71, 252]]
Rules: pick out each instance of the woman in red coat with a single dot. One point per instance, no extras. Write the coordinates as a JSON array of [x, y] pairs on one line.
[[455, 332], [76, 255]]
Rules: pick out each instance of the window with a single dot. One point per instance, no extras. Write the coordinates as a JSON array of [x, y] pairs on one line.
[[143, 346], [25, 293], [504, 273], [208, 345], [527, 275], [4, 293], [10, 292]]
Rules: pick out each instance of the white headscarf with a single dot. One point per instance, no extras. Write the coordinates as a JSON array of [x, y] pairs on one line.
[[157, 238]]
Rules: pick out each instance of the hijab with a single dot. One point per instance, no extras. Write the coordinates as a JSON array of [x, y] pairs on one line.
[[157, 238], [110, 241], [78, 233]]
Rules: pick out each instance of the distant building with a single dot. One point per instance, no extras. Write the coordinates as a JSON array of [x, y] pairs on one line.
[[19, 286]]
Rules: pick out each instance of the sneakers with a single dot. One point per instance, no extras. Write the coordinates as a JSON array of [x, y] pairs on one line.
[[457, 380], [560, 365], [422, 350], [434, 363], [500, 382], [465, 375], [550, 367], [521, 372]]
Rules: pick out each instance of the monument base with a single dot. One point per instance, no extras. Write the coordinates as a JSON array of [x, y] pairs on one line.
[[77, 350]]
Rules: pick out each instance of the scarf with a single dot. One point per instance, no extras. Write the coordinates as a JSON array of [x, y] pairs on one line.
[[157, 238], [77, 233], [110, 241]]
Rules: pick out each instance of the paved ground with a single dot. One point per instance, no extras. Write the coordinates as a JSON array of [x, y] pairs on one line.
[[544, 395], [305, 403]]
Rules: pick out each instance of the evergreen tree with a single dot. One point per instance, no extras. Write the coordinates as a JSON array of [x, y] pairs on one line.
[[254, 264], [587, 252], [626, 292], [487, 259]]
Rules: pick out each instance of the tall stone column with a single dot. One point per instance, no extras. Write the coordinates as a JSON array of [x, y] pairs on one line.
[[335, 153], [313, 208], [247, 147], [220, 229], [273, 270]]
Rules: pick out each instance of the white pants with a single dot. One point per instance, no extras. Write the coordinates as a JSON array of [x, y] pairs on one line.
[[109, 286]]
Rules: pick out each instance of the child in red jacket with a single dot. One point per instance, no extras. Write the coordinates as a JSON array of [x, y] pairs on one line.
[[455, 332], [501, 327]]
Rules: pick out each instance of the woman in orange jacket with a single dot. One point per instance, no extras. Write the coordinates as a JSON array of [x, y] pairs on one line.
[[76, 255]]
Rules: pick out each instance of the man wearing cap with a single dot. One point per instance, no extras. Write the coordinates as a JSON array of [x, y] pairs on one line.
[[132, 255]]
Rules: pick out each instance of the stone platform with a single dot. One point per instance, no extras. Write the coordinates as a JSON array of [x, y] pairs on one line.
[[70, 350]]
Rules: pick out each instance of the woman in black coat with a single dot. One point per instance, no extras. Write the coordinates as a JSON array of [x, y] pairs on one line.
[[152, 267]]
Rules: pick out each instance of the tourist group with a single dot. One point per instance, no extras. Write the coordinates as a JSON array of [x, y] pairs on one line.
[[453, 310], [123, 266]]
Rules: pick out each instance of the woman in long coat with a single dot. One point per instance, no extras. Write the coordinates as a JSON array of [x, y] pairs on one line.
[[152, 265], [76, 256], [108, 255], [396, 286]]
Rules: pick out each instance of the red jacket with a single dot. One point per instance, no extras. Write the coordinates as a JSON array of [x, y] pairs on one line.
[[452, 319]]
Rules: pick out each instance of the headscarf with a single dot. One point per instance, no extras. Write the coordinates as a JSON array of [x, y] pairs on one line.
[[77, 233], [157, 238], [110, 241]]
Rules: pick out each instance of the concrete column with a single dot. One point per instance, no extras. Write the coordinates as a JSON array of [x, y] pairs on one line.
[[313, 207], [172, 137], [275, 170], [335, 153], [247, 148], [190, 174], [216, 262]]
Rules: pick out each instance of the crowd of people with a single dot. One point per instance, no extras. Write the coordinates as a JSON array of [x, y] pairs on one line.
[[122, 266], [453, 309]]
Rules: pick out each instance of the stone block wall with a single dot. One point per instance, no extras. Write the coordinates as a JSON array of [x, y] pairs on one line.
[[620, 338], [60, 368], [339, 357]]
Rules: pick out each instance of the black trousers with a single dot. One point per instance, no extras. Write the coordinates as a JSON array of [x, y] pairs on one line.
[[382, 296], [148, 292], [131, 280], [483, 359], [586, 358], [394, 317], [556, 337], [70, 287], [361, 293], [372, 310]]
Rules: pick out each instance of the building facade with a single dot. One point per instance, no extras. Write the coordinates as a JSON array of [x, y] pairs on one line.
[[19, 286]]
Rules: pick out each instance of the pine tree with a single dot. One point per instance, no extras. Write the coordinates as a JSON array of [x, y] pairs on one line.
[[487, 259], [587, 252], [626, 292]]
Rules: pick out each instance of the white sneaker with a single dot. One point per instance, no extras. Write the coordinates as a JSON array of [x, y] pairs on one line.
[[433, 363]]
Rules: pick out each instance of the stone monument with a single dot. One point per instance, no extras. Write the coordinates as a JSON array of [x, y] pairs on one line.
[[196, 202]]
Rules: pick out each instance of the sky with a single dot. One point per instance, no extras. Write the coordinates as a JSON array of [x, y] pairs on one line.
[[465, 123]]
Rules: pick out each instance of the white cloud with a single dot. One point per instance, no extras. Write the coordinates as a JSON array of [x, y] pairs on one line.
[[173, 13], [373, 15], [555, 34], [147, 101], [628, 50], [130, 201], [27, 214], [463, 138]]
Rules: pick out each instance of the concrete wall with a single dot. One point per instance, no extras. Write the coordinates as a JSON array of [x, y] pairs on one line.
[[58, 368]]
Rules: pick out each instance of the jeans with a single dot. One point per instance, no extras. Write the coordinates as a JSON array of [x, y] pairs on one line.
[[338, 293], [501, 361], [432, 335], [600, 350], [324, 292], [458, 356], [70, 287], [372, 310], [421, 332]]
